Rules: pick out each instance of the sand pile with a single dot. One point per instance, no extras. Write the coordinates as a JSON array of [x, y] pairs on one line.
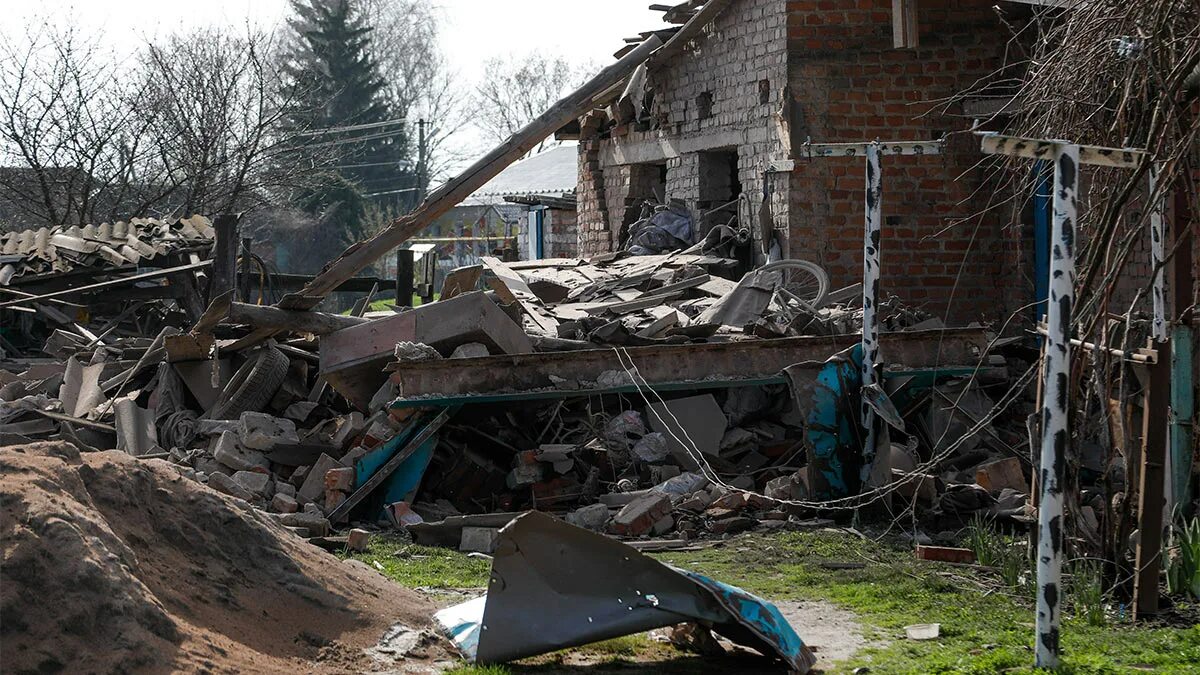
[[112, 564]]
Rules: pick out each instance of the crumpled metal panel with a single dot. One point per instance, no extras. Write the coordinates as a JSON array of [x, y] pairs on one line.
[[554, 585], [62, 249]]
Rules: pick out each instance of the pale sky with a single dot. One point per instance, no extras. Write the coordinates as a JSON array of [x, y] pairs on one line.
[[473, 30]]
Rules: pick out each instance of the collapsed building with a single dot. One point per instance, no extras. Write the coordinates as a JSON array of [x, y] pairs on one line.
[[731, 347]]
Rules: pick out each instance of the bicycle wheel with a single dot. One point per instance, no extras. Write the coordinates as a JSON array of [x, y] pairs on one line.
[[802, 286]]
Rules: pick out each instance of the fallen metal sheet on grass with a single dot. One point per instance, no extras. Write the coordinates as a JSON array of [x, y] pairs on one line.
[[554, 586]]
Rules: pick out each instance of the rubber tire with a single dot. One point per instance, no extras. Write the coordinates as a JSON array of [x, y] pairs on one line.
[[253, 385]]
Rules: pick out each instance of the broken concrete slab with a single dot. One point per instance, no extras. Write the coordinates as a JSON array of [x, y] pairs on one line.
[[255, 482], [353, 359], [314, 482], [479, 540], [227, 450], [639, 516], [222, 483], [261, 431], [694, 420]]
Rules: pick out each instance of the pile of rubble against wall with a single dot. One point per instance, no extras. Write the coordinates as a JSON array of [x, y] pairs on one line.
[[68, 288], [493, 402]]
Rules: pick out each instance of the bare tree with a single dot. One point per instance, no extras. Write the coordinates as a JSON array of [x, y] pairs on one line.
[[420, 84], [215, 116], [515, 91], [67, 131], [192, 126]]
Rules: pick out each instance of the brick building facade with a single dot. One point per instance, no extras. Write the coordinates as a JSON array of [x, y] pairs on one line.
[[727, 115]]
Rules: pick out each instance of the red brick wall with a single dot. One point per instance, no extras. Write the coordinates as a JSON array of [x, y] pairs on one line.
[[850, 84]]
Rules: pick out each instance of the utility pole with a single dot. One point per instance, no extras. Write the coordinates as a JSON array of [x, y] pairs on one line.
[[1056, 437], [422, 160], [872, 259]]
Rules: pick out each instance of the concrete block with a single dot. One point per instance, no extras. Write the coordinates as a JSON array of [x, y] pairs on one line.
[[639, 516], [333, 499], [314, 481], [316, 525], [282, 503], [340, 478], [592, 517], [1002, 473], [479, 540], [261, 431], [524, 475], [469, 350], [404, 514], [732, 525], [255, 481], [222, 483], [227, 450], [358, 540], [663, 525]]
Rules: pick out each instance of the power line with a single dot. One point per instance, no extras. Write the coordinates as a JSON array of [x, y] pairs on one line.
[[354, 127]]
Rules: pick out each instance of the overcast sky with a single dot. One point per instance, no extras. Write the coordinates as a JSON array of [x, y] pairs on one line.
[[474, 30]]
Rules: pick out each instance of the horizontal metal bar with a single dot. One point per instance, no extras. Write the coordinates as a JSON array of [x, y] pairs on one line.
[[731, 364], [860, 149], [1039, 148], [107, 284]]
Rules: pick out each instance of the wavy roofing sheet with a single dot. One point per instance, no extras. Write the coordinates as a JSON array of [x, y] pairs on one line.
[[108, 245]]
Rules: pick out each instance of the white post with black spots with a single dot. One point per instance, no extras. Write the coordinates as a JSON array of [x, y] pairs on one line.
[[870, 298], [1158, 250], [873, 237], [1056, 436]]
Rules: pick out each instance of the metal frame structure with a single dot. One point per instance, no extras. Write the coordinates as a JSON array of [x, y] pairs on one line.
[[1056, 437], [872, 241]]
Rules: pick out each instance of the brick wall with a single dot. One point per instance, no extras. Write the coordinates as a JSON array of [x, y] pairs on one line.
[[559, 235], [850, 84], [721, 95]]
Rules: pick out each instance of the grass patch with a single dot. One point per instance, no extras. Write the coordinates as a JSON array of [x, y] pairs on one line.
[[467, 669], [987, 627], [424, 566]]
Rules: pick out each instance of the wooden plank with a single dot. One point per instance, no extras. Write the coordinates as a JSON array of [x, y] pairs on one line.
[[512, 288], [461, 280], [317, 323], [389, 467]]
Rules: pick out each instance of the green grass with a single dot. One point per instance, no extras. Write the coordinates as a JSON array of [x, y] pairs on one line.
[[424, 566], [986, 627]]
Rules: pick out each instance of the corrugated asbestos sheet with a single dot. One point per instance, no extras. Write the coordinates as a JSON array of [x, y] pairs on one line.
[[109, 245]]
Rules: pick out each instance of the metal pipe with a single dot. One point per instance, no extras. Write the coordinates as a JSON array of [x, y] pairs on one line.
[[1158, 251], [870, 332], [1056, 438]]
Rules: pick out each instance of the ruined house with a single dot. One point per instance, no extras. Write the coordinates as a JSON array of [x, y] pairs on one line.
[[727, 116]]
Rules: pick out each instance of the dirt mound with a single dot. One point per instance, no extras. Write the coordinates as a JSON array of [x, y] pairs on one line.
[[112, 564]]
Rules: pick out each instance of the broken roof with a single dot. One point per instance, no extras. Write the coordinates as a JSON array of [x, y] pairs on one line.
[[549, 173], [108, 245]]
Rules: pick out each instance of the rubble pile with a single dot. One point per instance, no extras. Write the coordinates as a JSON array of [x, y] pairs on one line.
[[321, 427]]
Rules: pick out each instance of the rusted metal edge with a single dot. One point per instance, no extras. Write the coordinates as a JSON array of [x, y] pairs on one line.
[[556, 374]]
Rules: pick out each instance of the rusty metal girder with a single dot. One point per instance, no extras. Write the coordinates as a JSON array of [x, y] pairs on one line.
[[670, 366]]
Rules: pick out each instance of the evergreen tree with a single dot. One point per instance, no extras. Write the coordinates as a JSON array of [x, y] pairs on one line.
[[334, 82]]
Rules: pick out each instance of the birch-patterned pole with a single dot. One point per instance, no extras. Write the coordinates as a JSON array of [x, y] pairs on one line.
[[1056, 437], [1158, 250], [870, 289]]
